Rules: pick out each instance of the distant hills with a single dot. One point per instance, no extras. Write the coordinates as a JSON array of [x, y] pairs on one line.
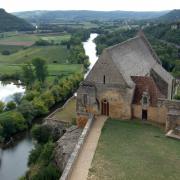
[[59, 16], [171, 16], [9, 22]]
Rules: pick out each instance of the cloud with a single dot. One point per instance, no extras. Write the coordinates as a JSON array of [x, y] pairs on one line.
[[103, 5]]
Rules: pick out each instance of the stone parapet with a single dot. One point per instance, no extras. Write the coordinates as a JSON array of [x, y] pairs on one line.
[[72, 160]]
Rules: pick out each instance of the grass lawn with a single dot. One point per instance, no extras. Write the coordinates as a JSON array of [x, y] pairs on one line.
[[50, 53], [135, 151], [68, 114]]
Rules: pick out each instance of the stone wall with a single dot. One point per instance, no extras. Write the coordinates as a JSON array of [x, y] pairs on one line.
[[155, 114], [119, 106], [72, 160], [162, 85]]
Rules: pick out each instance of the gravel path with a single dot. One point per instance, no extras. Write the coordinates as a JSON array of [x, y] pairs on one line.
[[83, 163]]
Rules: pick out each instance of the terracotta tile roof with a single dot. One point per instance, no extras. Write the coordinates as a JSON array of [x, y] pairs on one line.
[[144, 83]]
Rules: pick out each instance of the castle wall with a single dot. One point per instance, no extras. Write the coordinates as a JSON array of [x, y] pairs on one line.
[[154, 114], [119, 107]]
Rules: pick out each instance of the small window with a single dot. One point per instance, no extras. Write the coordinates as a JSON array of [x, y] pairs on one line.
[[145, 100], [85, 99], [104, 79]]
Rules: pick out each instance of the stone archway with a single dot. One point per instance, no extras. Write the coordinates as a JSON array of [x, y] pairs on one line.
[[105, 107]]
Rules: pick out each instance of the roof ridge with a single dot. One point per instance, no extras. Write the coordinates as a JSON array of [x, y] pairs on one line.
[[122, 43], [152, 51]]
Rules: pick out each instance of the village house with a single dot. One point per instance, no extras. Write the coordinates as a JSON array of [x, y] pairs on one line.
[[128, 81]]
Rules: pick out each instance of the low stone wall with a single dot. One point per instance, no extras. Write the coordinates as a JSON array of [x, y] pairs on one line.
[[71, 162]]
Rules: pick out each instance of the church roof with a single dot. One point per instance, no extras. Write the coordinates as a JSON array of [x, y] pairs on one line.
[[146, 84], [135, 57]]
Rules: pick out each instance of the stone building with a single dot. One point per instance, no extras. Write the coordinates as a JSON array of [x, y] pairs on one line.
[[128, 81]]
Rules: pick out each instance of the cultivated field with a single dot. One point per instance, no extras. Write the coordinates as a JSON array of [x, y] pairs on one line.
[[132, 150], [53, 69], [52, 54], [29, 39]]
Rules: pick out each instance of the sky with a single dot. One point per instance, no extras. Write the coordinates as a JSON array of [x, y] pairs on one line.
[[102, 5]]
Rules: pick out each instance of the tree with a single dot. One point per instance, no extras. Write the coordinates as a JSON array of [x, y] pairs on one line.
[[28, 75], [10, 105], [17, 97], [48, 98], [2, 105], [12, 122], [28, 111], [40, 69], [39, 106], [41, 133]]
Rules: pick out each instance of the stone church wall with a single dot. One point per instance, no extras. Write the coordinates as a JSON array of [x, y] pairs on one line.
[[154, 114]]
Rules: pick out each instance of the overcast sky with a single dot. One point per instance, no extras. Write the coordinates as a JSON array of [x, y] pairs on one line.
[[103, 5]]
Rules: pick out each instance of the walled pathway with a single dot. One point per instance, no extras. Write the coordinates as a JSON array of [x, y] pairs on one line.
[[83, 163]]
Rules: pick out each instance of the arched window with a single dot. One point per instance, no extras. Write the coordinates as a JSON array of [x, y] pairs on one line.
[[145, 100], [104, 79]]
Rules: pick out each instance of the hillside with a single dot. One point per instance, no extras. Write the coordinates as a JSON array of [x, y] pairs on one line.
[[9, 22], [172, 16], [84, 15]]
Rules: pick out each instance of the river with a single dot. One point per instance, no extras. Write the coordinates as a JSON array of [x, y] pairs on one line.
[[13, 160]]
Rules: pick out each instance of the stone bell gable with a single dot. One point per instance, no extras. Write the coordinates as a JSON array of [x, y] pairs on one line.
[[124, 76]]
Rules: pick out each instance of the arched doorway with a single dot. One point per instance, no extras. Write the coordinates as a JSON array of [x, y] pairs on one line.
[[105, 107]]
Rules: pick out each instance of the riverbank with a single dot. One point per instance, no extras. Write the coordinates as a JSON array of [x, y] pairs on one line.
[[29, 141]]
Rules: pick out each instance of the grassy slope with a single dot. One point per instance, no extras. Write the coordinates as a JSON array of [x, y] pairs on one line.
[[132, 150], [68, 114], [51, 53]]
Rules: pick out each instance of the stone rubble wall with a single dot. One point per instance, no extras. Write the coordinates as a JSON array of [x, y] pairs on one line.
[[72, 160]]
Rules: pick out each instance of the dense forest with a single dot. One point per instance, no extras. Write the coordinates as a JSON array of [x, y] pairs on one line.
[[59, 16], [9, 22]]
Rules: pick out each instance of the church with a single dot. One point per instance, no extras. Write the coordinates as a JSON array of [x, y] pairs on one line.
[[128, 82]]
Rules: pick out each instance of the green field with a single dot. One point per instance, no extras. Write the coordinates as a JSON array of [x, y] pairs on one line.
[[11, 49], [50, 53], [56, 39], [129, 150], [30, 39], [53, 69]]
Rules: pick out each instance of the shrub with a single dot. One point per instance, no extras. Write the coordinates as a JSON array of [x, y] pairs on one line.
[[41, 133], [30, 95], [47, 173], [56, 93], [10, 106], [42, 42], [48, 99], [17, 97], [12, 122], [13, 76], [34, 154], [47, 153], [2, 106], [27, 109], [40, 106], [6, 52]]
